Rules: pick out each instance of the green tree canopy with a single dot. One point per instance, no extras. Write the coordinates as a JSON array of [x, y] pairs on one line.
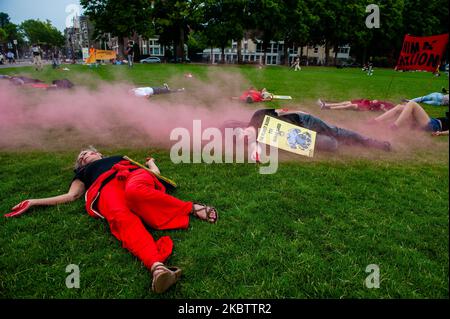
[[121, 18], [42, 32], [3, 35]]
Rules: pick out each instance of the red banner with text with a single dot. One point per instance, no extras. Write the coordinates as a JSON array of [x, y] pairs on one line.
[[422, 53]]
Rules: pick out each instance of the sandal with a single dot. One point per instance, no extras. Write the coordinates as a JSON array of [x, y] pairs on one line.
[[164, 277], [209, 212]]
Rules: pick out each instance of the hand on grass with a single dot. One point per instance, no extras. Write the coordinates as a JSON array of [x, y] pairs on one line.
[[149, 161], [439, 133], [20, 208]]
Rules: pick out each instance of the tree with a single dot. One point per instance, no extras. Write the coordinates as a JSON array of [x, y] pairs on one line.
[[223, 22], [3, 35], [11, 30], [121, 18], [4, 19], [267, 19], [42, 32], [297, 24], [174, 20]]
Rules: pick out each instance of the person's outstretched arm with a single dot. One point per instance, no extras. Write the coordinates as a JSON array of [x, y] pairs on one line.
[[439, 133], [76, 190]]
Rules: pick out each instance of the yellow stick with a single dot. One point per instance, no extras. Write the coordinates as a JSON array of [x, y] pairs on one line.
[[167, 180]]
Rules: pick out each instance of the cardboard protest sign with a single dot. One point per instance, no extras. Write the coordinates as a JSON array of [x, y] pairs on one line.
[[287, 136]]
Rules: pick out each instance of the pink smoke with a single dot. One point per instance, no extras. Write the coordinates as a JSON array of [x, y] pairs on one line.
[[108, 116]]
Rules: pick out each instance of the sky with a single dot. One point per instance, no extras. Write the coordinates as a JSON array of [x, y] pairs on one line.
[[53, 10]]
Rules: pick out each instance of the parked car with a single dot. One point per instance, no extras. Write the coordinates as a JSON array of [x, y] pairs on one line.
[[347, 64], [180, 60], [151, 59]]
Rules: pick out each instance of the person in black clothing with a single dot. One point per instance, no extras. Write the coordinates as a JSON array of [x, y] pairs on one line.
[[412, 113], [130, 53], [328, 136], [127, 196]]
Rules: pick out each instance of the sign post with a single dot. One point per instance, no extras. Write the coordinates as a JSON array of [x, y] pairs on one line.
[[17, 52]]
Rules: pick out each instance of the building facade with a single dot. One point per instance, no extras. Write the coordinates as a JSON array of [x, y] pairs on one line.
[[78, 36], [252, 52]]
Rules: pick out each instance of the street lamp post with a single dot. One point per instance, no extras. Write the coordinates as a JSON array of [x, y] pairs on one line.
[[17, 52]]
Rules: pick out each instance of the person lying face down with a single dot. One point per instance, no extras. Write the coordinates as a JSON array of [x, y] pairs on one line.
[[35, 83], [148, 91], [328, 138], [128, 196]]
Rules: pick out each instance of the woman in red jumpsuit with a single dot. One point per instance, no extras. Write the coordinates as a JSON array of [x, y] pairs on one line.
[[128, 196]]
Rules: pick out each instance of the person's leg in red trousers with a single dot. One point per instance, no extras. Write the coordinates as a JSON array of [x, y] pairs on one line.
[[159, 210], [128, 227]]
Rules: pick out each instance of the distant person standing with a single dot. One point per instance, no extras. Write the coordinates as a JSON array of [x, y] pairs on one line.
[[37, 56], [10, 57], [296, 64], [130, 54], [55, 58]]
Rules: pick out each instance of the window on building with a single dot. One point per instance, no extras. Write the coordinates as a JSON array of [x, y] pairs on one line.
[[316, 50], [258, 47]]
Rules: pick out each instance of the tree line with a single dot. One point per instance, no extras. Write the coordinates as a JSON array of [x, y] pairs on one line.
[[214, 23], [32, 31]]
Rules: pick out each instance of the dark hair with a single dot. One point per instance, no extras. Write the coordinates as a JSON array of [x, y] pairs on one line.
[[249, 99], [259, 115], [63, 84]]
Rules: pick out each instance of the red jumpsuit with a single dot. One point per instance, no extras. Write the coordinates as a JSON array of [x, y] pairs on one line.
[[254, 94], [130, 199]]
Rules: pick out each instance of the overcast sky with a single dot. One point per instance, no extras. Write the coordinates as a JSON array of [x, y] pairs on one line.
[[53, 10]]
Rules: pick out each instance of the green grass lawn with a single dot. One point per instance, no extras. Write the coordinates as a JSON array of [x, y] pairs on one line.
[[308, 231]]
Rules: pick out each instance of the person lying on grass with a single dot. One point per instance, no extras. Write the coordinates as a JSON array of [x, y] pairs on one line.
[[359, 105], [412, 114], [328, 137], [35, 83], [148, 91], [128, 196], [435, 98], [252, 95]]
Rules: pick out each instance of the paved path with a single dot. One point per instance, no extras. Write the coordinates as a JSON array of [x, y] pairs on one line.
[[20, 64]]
